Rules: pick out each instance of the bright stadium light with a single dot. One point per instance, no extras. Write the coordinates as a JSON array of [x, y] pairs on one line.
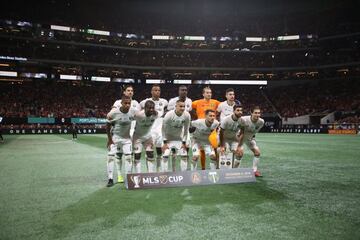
[[182, 81], [194, 38], [124, 80], [70, 77], [60, 28], [230, 82], [160, 37], [8, 74], [100, 79], [285, 38], [155, 81]]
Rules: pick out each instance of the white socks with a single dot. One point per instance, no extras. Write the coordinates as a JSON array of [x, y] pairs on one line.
[[110, 166], [255, 163]]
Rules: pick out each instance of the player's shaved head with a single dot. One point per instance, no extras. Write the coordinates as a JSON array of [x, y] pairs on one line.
[[210, 116], [149, 108], [180, 107], [183, 91], [125, 103], [155, 91]]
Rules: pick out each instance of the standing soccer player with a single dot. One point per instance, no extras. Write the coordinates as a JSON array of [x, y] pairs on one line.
[[183, 91], [161, 107], [250, 125], [226, 108], [128, 91], [119, 140], [229, 134], [142, 137], [175, 130], [199, 108], [74, 131], [201, 129]]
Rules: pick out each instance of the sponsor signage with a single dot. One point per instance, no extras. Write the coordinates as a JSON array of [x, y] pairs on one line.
[[188, 178], [299, 130], [342, 131], [52, 131]]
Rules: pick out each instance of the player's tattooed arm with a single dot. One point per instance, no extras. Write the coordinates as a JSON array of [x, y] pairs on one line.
[[241, 136], [221, 138]]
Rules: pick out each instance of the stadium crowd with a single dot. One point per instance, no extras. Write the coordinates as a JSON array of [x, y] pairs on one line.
[[65, 99]]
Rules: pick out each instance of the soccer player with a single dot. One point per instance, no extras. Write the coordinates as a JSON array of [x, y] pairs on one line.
[[128, 91], [198, 109], [118, 133], [161, 107], [201, 129], [183, 91], [229, 135], [226, 108], [175, 130], [145, 120], [74, 131], [250, 125]]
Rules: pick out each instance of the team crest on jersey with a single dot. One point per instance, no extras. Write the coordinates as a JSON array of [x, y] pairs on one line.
[[160, 104]]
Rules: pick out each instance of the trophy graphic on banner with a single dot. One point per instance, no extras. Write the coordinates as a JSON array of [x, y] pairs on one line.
[[136, 180]]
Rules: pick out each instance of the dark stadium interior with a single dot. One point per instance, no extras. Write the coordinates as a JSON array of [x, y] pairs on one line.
[[272, 154], [317, 73]]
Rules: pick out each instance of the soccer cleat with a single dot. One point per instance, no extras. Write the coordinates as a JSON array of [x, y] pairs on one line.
[[120, 179], [110, 183], [257, 173]]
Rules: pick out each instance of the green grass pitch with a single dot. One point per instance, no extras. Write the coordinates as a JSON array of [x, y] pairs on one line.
[[54, 188]]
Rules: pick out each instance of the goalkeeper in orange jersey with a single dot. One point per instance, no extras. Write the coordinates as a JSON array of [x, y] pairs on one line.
[[199, 108]]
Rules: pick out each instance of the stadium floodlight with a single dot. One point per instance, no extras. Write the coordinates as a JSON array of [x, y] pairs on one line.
[[60, 28], [155, 81], [255, 39], [285, 38], [124, 80], [194, 38], [100, 79], [182, 81], [33, 75], [231, 82], [70, 77], [8, 74], [160, 37], [97, 32]]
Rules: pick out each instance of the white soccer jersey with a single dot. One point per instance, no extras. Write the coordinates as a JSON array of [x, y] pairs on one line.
[[176, 128], [160, 105], [143, 124], [121, 122], [172, 104], [134, 104], [225, 109], [202, 131], [230, 127], [250, 127]]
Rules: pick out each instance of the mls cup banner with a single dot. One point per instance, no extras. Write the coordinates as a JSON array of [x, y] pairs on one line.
[[188, 178]]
